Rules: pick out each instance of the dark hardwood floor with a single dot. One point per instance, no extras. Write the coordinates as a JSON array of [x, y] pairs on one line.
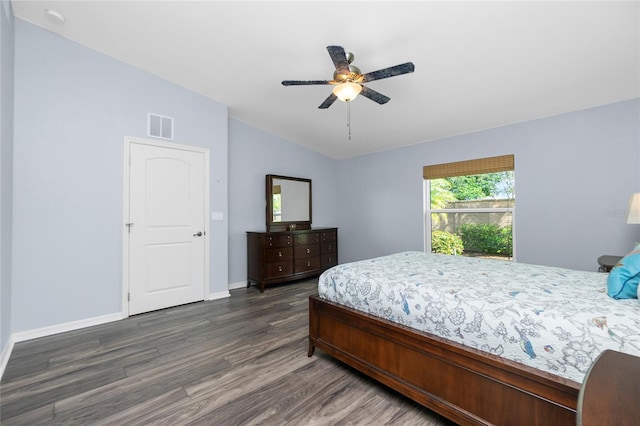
[[235, 361]]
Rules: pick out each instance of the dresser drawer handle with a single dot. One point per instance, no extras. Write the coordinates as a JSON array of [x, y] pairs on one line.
[[308, 264], [308, 251], [288, 243], [279, 254], [329, 246], [279, 268], [329, 259]]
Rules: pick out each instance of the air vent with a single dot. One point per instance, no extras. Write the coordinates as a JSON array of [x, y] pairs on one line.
[[160, 126]]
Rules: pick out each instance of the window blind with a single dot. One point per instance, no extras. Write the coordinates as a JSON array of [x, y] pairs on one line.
[[501, 163]]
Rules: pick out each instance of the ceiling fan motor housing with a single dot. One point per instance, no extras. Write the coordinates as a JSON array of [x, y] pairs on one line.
[[355, 75]]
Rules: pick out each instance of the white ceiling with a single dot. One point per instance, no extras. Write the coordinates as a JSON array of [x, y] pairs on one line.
[[478, 64]]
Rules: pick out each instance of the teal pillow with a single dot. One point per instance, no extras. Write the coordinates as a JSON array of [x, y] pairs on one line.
[[623, 279]]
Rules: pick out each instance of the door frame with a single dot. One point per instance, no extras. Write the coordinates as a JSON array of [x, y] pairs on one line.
[[128, 141]]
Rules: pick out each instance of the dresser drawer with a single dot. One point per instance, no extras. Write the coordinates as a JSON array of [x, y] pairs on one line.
[[328, 247], [307, 264], [328, 236], [328, 260], [278, 269], [279, 254], [278, 241], [306, 251], [307, 238]]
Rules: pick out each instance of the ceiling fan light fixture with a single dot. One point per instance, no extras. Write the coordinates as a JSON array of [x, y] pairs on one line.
[[348, 91]]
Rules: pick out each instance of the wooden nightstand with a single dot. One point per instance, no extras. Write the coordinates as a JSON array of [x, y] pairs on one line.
[[607, 262]]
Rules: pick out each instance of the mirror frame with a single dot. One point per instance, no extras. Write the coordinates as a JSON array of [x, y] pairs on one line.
[[290, 225]]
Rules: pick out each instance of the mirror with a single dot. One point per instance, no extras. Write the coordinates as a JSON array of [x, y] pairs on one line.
[[288, 203]]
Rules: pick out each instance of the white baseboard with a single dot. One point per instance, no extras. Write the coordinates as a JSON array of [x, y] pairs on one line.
[[69, 326], [219, 295], [6, 353], [75, 325], [48, 331], [235, 286]]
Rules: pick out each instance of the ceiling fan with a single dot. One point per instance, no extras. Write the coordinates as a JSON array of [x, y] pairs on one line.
[[348, 79]]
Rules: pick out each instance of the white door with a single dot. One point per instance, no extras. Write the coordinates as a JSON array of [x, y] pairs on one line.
[[167, 235]]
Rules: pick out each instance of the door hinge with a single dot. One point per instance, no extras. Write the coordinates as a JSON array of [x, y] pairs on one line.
[[128, 297], [129, 225]]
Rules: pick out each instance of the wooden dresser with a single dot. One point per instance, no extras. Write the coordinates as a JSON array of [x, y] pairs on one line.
[[276, 257]]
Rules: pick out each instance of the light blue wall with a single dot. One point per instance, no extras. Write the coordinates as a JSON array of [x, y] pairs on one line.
[[6, 167], [254, 154], [574, 175], [73, 108]]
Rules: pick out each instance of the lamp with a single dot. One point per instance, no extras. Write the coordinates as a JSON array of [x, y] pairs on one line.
[[634, 209], [347, 92]]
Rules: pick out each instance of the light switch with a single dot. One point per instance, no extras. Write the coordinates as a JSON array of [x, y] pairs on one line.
[[217, 215]]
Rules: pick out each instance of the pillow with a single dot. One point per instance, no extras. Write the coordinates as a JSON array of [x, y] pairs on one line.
[[623, 279]]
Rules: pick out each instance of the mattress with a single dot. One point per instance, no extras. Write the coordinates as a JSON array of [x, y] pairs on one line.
[[553, 319]]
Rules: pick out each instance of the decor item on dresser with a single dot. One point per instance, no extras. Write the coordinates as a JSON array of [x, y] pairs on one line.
[[290, 249]]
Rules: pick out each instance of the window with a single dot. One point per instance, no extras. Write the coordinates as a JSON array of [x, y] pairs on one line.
[[469, 207]]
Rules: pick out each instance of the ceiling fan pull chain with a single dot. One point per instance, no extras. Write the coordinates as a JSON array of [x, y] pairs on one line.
[[349, 118]]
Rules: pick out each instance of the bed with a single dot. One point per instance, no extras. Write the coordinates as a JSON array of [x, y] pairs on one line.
[[478, 341]]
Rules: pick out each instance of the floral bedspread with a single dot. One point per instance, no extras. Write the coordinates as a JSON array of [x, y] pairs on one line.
[[553, 319]]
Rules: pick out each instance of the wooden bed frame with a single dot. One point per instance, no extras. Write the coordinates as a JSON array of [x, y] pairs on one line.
[[467, 386]]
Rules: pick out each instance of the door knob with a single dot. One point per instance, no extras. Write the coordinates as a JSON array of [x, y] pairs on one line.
[[199, 234]]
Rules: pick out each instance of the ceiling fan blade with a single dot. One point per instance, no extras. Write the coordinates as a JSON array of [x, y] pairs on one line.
[[388, 72], [304, 82], [328, 102], [339, 59], [374, 96]]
